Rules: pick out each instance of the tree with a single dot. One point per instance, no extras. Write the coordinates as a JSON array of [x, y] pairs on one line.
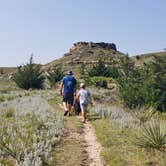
[[29, 76], [55, 75], [145, 86], [100, 69]]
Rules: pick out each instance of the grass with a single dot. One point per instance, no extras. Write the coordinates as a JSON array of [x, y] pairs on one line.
[[119, 149], [28, 138], [153, 135], [7, 113], [71, 150], [6, 85], [2, 98]]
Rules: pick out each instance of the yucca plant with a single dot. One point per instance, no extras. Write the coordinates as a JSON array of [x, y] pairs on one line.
[[152, 135]]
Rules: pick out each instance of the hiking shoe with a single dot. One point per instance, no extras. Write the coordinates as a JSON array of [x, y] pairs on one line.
[[69, 114], [66, 112]]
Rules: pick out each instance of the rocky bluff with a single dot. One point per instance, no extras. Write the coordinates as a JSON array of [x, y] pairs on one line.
[[79, 45]]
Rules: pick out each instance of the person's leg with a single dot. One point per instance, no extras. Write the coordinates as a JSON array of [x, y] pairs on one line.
[[65, 105], [83, 116], [69, 108], [70, 103], [84, 111]]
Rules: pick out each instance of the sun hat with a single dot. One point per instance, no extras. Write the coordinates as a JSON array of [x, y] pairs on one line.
[[70, 72], [82, 85]]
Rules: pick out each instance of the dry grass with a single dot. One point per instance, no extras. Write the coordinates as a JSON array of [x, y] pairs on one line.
[[70, 151], [119, 149]]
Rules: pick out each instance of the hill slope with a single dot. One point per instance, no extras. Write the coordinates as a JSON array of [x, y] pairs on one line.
[[86, 53], [146, 58]]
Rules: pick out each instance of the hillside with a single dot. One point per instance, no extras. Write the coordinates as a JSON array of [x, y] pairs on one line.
[[7, 70], [145, 58], [86, 53]]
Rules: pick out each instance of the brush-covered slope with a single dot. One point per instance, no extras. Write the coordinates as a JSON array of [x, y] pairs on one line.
[[146, 58], [87, 53], [7, 70]]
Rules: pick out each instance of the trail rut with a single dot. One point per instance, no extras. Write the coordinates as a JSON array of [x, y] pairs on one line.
[[93, 147]]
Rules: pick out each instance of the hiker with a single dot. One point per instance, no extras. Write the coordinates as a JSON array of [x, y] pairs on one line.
[[68, 90], [84, 98]]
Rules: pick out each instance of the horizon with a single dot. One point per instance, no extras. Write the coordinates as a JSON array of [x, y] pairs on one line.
[[27, 60], [48, 29]]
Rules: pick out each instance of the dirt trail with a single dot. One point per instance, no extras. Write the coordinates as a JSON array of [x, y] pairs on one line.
[[93, 147]]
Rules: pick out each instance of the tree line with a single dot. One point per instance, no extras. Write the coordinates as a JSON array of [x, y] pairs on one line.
[[138, 86]]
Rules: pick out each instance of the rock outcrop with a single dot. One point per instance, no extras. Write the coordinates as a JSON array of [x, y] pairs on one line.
[[79, 45]]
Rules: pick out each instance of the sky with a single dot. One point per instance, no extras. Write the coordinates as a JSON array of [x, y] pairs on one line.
[[48, 28]]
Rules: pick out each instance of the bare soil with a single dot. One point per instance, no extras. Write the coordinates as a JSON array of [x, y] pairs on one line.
[[93, 147]]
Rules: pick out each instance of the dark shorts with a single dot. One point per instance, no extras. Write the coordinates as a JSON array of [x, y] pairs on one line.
[[68, 98]]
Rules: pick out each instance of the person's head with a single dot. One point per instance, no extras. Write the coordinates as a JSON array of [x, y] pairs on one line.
[[82, 85], [70, 72]]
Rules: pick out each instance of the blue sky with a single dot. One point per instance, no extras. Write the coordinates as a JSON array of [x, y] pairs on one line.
[[48, 28]]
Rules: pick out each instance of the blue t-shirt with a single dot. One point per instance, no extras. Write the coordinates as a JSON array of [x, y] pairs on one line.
[[69, 82]]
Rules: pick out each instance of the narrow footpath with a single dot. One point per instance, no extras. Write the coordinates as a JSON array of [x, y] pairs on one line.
[[80, 146], [93, 147]]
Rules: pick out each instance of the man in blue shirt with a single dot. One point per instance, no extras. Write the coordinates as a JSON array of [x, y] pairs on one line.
[[68, 90]]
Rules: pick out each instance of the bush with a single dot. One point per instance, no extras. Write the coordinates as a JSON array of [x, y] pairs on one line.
[[2, 98], [152, 135], [144, 87], [55, 75], [100, 69], [102, 82], [132, 90], [157, 72], [29, 76]]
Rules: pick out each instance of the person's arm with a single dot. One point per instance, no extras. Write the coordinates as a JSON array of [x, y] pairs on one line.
[[90, 98], [75, 88], [78, 95], [61, 88]]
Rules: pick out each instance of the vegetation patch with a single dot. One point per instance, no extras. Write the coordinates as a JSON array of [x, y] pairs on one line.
[[120, 148], [153, 135], [71, 150], [29, 131]]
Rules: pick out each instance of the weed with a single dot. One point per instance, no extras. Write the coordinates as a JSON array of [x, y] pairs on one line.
[[152, 135], [8, 113], [2, 98]]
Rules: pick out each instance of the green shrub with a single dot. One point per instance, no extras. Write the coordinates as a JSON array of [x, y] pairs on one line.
[[55, 75], [102, 82], [145, 86], [7, 113], [152, 135], [100, 69], [2, 98], [29, 76]]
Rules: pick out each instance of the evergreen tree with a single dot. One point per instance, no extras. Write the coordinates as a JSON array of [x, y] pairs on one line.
[[29, 76], [100, 69], [55, 75]]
